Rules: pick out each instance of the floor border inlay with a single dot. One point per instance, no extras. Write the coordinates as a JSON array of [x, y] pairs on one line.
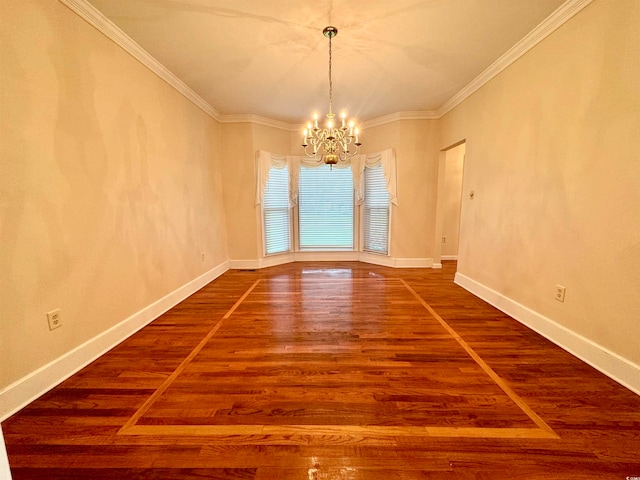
[[171, 378], [543, 431]]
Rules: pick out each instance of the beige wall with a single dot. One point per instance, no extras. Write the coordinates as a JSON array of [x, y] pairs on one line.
[[239, 190], [415, 142], [552, 156], [111, 182], [240, 144], [413, 221], [110, 186]]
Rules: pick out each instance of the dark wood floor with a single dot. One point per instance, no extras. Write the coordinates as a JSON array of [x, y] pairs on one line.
[[331, 371]]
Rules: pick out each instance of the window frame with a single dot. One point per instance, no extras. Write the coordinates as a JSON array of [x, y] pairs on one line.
[[289, 215], [355, 224], [363, 208], [386, 159]]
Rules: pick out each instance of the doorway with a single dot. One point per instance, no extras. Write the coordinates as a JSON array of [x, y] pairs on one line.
[[449, 201]]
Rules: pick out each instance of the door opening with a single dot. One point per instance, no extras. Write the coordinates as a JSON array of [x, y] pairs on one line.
[[449, 202]]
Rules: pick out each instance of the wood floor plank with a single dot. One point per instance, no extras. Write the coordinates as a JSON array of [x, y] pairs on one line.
[[326, 371], [167, 383]]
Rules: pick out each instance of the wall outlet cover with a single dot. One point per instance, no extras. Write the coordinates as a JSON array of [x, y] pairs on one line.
[[55, 319]]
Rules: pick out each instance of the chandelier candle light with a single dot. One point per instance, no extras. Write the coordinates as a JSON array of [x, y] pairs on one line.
[[333, 141]]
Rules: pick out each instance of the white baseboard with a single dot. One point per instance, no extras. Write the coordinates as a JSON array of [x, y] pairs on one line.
[[618, 368], [5, 472], [245, 264], [337, 256], [281, 259], [365, 257], [414, 263], [373, 259], [19, 394], [265, 262], [449, 257]]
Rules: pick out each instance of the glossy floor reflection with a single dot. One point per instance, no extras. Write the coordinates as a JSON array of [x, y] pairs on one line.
[[332, 371]]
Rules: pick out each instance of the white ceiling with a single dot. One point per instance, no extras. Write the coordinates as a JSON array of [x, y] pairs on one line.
[[269, 57]]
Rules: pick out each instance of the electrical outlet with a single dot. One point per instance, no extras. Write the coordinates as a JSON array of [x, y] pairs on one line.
[[55, 319], [444, 239], [560, 291], [202, 256]]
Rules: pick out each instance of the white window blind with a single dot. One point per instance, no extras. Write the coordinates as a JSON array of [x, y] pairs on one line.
[[325, 201], [275, 208], [376, 211]]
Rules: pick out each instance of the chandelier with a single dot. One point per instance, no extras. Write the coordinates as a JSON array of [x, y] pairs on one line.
[[333, 141]]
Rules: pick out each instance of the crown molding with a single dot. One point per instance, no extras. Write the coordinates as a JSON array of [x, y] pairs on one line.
[[394, 117], [250, 118], [558, 18], [95, 18]]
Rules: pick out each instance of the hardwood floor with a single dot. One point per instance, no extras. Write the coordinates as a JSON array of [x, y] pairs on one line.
[[331, 371]]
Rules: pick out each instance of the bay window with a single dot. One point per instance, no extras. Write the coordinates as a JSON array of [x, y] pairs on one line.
[[325, 208], [276, 212], [320, 202]]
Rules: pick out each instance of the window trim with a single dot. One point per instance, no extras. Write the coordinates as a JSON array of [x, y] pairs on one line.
[[266, 160], [362, 228], [264, 231], [354, 225]]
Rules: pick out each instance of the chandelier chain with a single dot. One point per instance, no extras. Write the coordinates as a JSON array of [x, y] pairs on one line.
[[333, 141], [330, 80]]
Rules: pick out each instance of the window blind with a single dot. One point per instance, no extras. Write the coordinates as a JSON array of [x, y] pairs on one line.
[[325, 201], [376, 211], [275, 210]]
